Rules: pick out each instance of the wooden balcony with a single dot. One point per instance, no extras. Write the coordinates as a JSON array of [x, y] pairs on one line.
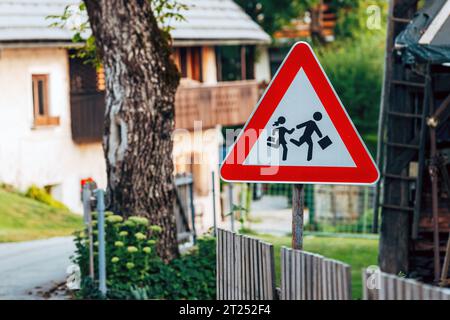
[[225, 103]]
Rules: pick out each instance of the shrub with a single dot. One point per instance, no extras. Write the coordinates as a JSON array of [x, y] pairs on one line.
[[9, 188], [135, 271], [41, 195]]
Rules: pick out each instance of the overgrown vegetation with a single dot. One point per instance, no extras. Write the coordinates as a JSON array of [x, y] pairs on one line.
[[23, 218], [135, 271]]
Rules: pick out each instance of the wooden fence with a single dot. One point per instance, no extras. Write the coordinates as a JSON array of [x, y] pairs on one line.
[[245, 268], [383, 286], [246, 271], [308, 276]]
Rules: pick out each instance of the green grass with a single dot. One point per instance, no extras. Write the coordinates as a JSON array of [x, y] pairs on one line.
[[357, 252], [23, 219]]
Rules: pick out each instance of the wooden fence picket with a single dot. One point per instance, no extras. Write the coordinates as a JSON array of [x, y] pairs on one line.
[[392, 287], [245, 268], [308, 276]]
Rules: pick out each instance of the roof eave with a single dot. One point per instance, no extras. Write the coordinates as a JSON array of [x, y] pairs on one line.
[[218, 42], [20, 44]]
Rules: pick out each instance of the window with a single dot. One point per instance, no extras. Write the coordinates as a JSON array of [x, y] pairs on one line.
[[235, 63], [40, 101], [189, 62]]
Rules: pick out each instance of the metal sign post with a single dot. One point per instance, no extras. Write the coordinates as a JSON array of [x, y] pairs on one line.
[[191, 203], [100, 194], [231, 207], [214, 202], [298, 203]]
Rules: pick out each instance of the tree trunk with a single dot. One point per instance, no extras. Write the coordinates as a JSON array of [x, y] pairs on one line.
[[141, 82]]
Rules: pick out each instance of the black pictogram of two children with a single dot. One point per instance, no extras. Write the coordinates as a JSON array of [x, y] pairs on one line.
[[310, 128]]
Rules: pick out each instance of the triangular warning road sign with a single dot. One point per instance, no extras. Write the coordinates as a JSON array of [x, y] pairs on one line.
[[299, 132]]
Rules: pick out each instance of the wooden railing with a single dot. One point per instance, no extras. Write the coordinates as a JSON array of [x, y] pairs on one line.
[[225, 103]]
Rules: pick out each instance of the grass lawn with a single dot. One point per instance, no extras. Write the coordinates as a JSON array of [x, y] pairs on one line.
[[357, 252], [23, 219]]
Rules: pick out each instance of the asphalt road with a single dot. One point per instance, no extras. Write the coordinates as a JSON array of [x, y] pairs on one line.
[[29, 268]]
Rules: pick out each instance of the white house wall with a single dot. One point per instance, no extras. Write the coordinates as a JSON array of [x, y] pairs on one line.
[[209, 67], [43, 155], [262, 64]]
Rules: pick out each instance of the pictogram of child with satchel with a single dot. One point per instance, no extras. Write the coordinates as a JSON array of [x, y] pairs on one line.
[[278, 137]]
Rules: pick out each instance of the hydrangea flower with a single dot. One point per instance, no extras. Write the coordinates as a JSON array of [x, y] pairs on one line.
[[151, 242], [140, 236], [139, 220], [129, 223], [155, 228], [114, 219], [115, 260], [147, 249], [130, 265], [123, 233], [96, 243], [118, 244], [132, 249]]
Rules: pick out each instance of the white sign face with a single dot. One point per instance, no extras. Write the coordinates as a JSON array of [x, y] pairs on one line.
[[300, 132]]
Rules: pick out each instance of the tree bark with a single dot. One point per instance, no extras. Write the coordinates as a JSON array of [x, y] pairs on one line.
[[141, 81]]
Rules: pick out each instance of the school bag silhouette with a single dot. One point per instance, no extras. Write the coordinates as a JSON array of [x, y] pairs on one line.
[[325, 142], [273, 141]]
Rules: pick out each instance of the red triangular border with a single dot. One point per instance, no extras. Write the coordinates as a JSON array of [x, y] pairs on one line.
[[301, 56]]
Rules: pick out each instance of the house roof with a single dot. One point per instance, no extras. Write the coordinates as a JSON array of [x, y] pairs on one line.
[[217, 20], [427, 36], [206, 21]]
